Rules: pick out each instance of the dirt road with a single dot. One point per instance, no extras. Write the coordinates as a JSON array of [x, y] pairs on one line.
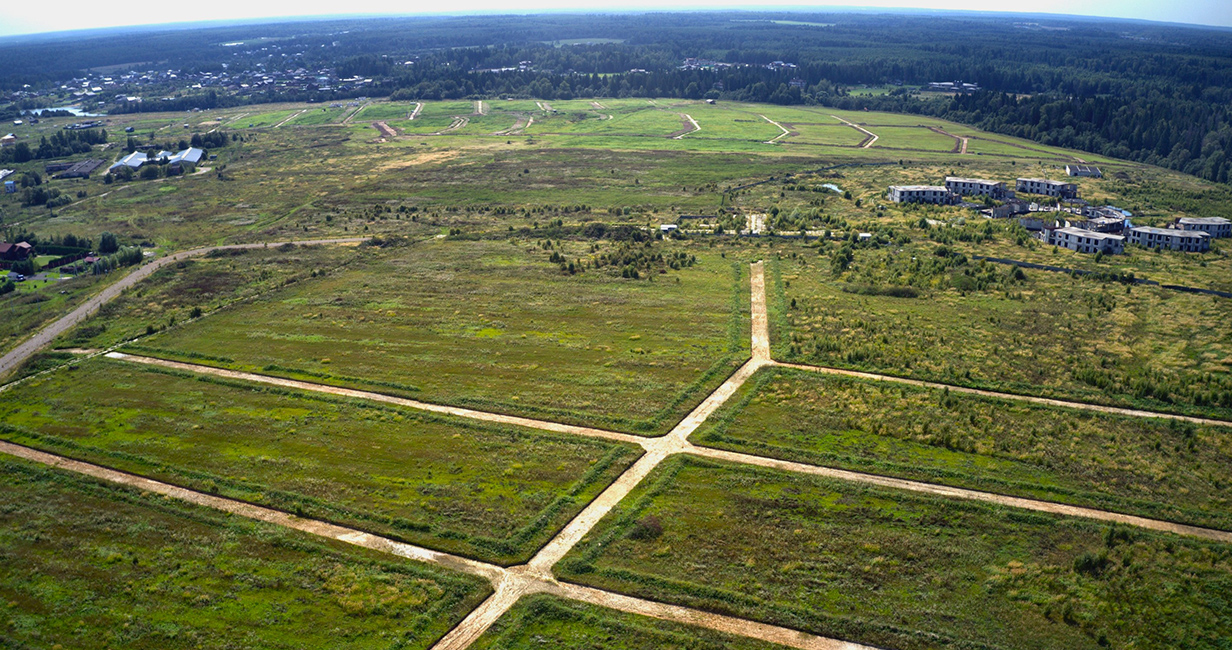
[[868, 142], [19, 354], [415, 113], [385, 129], [776, 138], [686, 130]]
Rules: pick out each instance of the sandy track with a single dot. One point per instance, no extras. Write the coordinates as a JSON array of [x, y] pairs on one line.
[[1008, 396], [776, 138], [355, 112], [964, 494], [868, 142], [385, 129], [544, 106], [381, 397], [518, 126], [686, 131], [719, 622], [278, 125], [19, 354], [277, 517], [535, 576], [598, 105], [459, 121], [415, 113], [480, 109]]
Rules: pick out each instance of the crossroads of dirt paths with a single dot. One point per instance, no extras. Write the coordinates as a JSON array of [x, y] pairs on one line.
[[511, 583]]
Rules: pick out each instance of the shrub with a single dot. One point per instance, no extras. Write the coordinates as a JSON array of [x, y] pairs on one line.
[[646, 528]]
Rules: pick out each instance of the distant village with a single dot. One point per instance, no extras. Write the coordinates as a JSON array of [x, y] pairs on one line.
[[1076, 225]]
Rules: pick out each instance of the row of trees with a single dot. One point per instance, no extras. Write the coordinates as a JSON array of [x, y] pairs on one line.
[[60, 144]]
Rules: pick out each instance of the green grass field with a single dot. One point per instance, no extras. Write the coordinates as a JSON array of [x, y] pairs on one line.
[[487, 491], [88, 565], [495, 326], [974, 324], [1141, 466], [899, 570]]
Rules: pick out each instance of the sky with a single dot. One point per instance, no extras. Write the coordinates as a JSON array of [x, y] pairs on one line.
[[34, 17]]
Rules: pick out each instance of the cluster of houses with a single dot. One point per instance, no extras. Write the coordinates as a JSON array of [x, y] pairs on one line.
[[136, 159], [1091, 230], [1109, 235], [955, 188]]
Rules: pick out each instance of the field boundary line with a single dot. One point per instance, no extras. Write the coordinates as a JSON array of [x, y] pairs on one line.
[[965, 494], [872, 137], [1046, 401], [456, 411], [784, 130]]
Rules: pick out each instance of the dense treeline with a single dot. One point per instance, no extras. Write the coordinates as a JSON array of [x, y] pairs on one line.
[[1149, 92], [61, 143]]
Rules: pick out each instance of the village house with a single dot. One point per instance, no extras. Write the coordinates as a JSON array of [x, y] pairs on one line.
[[15, 252], [1089, 171]]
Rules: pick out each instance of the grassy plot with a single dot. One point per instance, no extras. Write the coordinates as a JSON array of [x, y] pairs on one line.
[[386, 111], [497, 326], [837, 134], [316, 117], [1135, 465], [722, 121], [977, 324], [24, 312], [207, 283], [540, 621], [900, 570], [482, 490], [89, 565], [898, 137]]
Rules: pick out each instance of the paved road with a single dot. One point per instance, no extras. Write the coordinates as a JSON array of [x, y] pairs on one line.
[[19, 354]]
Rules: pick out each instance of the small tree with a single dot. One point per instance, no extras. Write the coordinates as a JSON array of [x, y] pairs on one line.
[[107, 243]]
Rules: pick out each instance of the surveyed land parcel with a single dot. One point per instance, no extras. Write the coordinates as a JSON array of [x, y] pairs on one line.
[[898, 570], [491, 492], [1154, 468], [493, 326], [89, 565]]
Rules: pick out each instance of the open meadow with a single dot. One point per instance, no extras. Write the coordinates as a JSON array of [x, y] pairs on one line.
[[898, 570], [494, 492], [87, 565], [497, 325]]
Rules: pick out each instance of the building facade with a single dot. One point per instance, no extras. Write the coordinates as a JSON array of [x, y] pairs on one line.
[[1055, 189], [1214, 226], [975, 187], [920, 194], [1190, 241], [1084, 170], [1084, 241]]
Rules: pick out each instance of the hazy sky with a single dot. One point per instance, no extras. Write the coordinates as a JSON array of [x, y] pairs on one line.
[[33, 17]]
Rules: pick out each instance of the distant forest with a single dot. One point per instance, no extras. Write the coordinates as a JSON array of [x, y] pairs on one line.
[[1153, 93]]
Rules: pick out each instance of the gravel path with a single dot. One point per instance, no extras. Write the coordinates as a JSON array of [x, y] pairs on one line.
[[868, 142], [27, 348], [510, 584], [1008, 396]]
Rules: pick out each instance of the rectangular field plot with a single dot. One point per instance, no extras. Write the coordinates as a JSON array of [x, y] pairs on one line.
[[482, 490], [900, 570], [543, 621], [916, 137], [88, 565], [1139, 466], [497, 327], [837, 134], [264, 119], [206, 283], [1047, 334], [720, 122], [386, 111], [639, 121], [317, 116]]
